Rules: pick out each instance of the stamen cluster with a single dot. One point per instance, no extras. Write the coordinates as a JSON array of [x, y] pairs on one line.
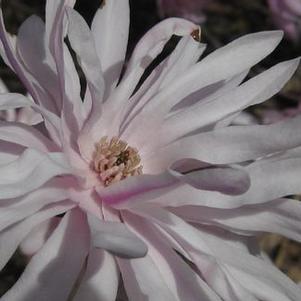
[[114, 160]]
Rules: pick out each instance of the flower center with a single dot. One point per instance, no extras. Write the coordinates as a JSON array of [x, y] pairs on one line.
[[114, 160]]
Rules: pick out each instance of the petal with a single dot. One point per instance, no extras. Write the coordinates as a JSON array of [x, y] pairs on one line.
[[31, 170], [116, 238], [120, 191], [186, 53], [20, 208], [35, 240], [160, 32], [232, 181], [218, 66], [177, 274], [111, 36], [25, 135], [10, 238], [229, 145], [268, 283], [101, 278], [140, 285], [35, 55], [52, 272], [254, 91], [279, 216]]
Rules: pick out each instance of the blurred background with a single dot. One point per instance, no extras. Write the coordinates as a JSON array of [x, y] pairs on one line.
[[221, 22]]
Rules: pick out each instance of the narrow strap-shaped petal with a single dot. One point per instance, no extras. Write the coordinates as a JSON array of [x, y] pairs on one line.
[[100, 281], [110, 29], [25, 135], [120, 192], [279, 216], [11, 237], [160, 32], [254, 91], [35, 240], [35, 56], [244, 52], [186, 53], [31, 170], [232, 181], [116, 238], [140, 285], [273, 284], [179, 277], [230, 144], [57, 262], [17, 209]]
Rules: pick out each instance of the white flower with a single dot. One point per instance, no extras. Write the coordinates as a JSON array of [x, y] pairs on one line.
[[135, 177]]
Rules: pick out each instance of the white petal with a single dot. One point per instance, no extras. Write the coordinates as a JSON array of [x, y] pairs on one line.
[[232, 181], [160, 32], [231, 144], [279, 216], [110, 29], [10, 238], [25, 135], [35, 240], [142, 285], [250, 268], [34, 55], [177, 274], [223, 64], [14, 210], [52, 272], [116, 238], [254, 91], [121, 191], [31, 170], [101, 278]]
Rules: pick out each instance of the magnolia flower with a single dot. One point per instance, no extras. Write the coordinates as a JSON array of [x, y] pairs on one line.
[[287, 16], [188, 9], [146, 181]]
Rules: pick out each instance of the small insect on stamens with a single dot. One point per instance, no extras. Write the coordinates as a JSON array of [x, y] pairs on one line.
[[115, 160]]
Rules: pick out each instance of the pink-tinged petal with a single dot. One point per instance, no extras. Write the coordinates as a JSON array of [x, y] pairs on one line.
[[35, 56], [31, 170], [279, 216], [220, 280], [14, 101], [284, 181], [17, 209], [9, 152], [78, 31], [184, 56], [160, 33], [53, 8], [230, 144], [25, 135], [11, 237], [267, 280], [52, 272], [121, 191], [254, 91], [101, 278], [222, 64], [232, 181], [9, 101], [142, 285], [179, 277], [111, 36], [35, 240], [116, 238], [10, 55]]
